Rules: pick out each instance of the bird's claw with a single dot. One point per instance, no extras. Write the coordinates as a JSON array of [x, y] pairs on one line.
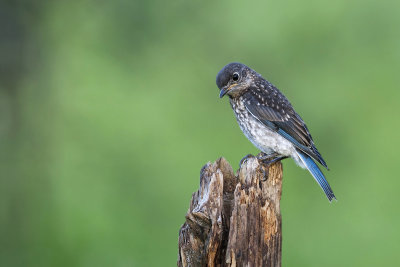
[[244, 159], [268, 159], [269, 162]]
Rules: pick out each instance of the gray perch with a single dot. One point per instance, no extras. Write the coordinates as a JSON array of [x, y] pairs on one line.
[[234, 220]]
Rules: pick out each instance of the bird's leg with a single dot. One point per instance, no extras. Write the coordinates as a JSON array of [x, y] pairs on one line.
[[245, 158], [272, 158], [268, 159], [269, 162]]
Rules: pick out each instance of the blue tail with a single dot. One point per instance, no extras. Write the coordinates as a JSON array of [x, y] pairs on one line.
[[317, 174]]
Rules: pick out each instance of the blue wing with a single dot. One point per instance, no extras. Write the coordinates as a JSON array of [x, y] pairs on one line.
[[277, 113]]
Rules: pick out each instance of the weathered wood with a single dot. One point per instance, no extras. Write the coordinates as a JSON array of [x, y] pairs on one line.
[[234, 220]]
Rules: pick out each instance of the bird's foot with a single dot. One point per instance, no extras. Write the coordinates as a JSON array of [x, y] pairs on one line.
[[269, 159], [245, 158], [269, 162], [266, 160]]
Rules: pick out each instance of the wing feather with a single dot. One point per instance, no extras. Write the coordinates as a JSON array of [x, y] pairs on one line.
[[277, 113]]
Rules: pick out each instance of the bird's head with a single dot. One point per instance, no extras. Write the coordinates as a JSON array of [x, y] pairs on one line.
[[234, 79]]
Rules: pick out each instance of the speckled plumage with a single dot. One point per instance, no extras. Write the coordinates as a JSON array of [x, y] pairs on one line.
[[268, 120], [261, 136]]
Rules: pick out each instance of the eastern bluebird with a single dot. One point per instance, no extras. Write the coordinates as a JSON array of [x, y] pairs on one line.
[[269, 121]]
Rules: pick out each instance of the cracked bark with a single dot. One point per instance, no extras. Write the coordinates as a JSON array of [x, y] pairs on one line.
[[234, 220]]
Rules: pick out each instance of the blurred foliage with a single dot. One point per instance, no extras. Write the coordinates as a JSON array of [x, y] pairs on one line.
[[108, 110]]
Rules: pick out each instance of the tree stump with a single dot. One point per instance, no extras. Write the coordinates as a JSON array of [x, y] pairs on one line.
[[234, 220]]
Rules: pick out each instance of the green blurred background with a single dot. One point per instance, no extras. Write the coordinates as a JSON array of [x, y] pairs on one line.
[[108, 110]]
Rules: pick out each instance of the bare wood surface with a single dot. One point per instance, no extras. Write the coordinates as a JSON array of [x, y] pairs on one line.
[[234, 220]]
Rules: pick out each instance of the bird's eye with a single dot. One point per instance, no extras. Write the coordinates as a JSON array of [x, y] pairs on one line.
[[235, 76]]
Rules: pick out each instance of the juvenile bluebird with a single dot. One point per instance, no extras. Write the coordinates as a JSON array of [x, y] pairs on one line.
[[269, 121]]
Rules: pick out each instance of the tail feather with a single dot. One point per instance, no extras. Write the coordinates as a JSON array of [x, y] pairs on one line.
[[317, 174]]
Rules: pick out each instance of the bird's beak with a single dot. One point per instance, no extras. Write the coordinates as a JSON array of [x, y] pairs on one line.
[[225, 90]]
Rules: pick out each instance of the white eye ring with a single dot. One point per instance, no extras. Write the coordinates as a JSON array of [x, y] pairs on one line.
[[235, 76]]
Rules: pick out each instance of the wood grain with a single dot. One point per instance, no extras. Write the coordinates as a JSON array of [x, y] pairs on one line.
[[234, 220]]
